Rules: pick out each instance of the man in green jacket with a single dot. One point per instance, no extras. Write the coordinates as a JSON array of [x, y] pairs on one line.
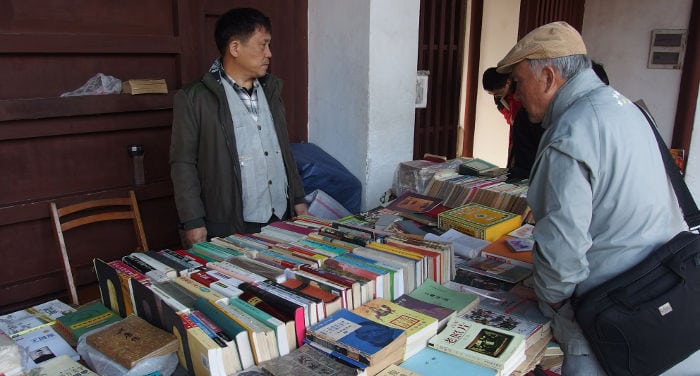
[[230, 161]]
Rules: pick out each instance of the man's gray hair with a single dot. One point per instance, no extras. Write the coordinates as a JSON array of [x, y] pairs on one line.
[[567, 66]]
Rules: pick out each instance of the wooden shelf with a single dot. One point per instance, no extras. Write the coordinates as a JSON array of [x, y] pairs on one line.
[[42, 108]]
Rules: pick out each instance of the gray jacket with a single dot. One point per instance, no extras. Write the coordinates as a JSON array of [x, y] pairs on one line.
[[204, 163], [599, 195]]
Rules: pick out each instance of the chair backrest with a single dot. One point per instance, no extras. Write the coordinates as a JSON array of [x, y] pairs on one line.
[[84, 213]]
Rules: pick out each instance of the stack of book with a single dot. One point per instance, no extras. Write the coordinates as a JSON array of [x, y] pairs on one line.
[[418, 326], [353, 339]]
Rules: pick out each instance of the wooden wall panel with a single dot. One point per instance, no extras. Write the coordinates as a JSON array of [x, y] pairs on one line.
[[74, 149]]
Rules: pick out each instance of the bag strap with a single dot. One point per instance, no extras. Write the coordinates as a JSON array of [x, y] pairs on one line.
[[690, 210]]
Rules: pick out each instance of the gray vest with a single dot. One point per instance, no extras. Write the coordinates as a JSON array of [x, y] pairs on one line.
[[263, 176]]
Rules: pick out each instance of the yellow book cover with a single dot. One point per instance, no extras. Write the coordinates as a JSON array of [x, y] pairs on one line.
[[418, 326], [479, 221]]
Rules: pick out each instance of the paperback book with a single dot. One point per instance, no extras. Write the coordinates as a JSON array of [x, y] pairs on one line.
[[481, 344]]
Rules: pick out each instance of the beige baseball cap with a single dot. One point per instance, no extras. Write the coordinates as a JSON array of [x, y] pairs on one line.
[[556, 39]]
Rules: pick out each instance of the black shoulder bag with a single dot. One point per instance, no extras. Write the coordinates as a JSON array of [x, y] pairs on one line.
[[647, 319]]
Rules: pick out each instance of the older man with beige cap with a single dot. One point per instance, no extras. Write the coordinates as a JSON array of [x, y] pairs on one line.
[[598, 189]]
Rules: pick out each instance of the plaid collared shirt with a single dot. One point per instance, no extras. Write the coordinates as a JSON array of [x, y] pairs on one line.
[[250, 101]]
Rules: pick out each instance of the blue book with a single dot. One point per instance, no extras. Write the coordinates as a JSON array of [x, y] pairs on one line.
[[368, 342], [435, 362]]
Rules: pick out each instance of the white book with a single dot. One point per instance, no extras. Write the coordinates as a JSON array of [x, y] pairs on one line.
[[157, 265], [44, 344]]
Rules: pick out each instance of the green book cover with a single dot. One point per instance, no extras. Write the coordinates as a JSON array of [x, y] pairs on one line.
[[91, 316], [435, 293]]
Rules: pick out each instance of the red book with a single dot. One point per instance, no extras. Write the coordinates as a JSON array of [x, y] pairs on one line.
[[285, 307], [203, 278], [191, 256]]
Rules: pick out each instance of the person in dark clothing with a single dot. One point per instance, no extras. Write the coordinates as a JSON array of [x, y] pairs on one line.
[[524, 136]]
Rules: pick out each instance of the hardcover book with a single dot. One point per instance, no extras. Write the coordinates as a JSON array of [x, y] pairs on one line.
[[419, 327], [132, 340], [481, 344], [358, 338], [306, 360], [479, 221], [86, 318]]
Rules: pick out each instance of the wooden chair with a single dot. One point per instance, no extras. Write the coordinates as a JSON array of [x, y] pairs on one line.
[[84, 213]]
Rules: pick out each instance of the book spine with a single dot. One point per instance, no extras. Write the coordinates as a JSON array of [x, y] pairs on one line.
[[191, 257], [237, 272], [210, 333], [211, 325], [137, 264], [182, 261], [126, 270], [155, 264], [198, 289]]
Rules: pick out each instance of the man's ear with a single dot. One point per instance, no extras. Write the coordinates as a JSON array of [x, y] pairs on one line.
[[233, 47], [550, 78]]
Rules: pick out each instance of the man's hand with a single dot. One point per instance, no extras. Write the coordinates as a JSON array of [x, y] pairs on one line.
[[192, 236], [301, 209]]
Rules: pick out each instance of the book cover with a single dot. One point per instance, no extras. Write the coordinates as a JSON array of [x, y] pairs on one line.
[[44, 344], [430, 361], [62, 365], [113, 292], [503, 249], [91, 316], [356, 337], [440, 313], [132, 339], [432, 292], [481, 344], [306, 360], [394, 370], [521, 245], [481, 282], [418, 327], [523, 232], [32, 318], [496, 269], [413, 203], [479, 221]]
